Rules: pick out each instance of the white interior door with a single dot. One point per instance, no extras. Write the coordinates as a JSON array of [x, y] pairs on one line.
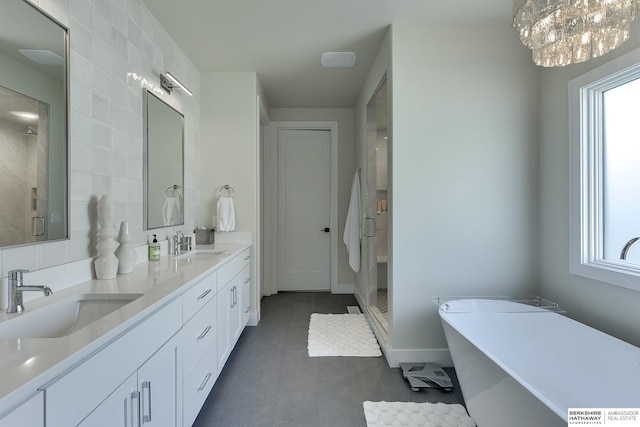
[[304, 210]]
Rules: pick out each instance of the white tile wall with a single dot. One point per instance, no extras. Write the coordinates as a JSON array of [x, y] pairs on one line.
[[109, 39]]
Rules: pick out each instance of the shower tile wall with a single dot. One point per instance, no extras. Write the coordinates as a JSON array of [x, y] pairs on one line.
[[109, 40]]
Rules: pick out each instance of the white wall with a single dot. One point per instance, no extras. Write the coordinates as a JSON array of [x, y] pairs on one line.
[[228, 150], [344, 117], [465, 166], [609, 308], [109, 39]]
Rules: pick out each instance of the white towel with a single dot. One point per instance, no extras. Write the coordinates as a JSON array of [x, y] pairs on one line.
[[171, 211], [352, 231], [226, 214]]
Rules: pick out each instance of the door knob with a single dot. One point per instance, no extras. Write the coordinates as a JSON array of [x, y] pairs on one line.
[[326, 229]]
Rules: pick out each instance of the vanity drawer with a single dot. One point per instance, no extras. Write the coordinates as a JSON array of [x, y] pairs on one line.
[[233, 267], [196, 297], [198, 334], [197, 386]]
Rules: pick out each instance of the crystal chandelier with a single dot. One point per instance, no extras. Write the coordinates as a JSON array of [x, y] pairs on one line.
[[562, 32]]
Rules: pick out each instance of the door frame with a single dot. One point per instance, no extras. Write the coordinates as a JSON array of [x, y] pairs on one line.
[[270, 171]]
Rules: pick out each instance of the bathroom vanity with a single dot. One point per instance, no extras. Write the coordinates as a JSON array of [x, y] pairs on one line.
[[152, 360]]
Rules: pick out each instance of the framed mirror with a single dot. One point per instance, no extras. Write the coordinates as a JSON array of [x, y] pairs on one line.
[[164, 164], [33, 126]]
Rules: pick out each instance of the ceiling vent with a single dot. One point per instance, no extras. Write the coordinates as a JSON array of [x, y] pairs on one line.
[[338, 59]]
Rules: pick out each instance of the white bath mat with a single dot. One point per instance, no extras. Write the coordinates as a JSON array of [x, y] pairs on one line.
[[341, 335], [411, 414]]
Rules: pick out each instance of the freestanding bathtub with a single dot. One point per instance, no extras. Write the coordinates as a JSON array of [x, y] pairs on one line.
[[521, 365]]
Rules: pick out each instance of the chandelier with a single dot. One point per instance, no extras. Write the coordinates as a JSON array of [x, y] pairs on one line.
[[562, 32]]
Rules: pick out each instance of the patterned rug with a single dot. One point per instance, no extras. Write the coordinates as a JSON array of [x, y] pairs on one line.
[[411, 414], [341, 335]]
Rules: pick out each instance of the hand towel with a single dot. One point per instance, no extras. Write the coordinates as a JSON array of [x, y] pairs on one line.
[[352, 232], [171, 211], [226, 214]]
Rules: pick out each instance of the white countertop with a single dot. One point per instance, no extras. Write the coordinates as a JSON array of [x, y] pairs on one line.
[[27, 364]]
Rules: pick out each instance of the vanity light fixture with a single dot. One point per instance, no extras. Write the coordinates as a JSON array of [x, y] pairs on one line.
[[169, 82]]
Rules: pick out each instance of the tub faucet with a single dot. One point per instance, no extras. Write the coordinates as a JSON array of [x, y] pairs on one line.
[[627, 247], [16, 288]]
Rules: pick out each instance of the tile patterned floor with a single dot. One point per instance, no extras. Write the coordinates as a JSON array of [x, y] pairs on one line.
[[269, 379]]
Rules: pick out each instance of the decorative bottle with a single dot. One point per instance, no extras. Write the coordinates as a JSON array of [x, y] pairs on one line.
[[106, 264], [125, 252]]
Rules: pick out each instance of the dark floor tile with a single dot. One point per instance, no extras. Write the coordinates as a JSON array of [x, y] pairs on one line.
[[270, 380], [340, 408]]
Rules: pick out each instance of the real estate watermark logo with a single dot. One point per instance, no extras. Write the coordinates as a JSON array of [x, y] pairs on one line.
[[617, 417]]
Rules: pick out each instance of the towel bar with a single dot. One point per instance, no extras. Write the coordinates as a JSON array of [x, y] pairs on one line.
[[228, 188], [174, 187]]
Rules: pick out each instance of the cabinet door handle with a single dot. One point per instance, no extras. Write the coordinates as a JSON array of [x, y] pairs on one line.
[[248, 280], [247, 257], [135, 409], [204, 294], [204, 382], [235, 296], [205, 332], [231, 295], [146, 403]]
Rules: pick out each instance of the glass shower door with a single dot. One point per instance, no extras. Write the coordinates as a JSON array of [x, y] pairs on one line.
[[376, 229]]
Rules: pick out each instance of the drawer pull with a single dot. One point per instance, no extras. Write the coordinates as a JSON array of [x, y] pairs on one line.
[[205, 332], [247, 257], [204, 294], [248, 280], [146, 403], [204, 382], [135, 409]]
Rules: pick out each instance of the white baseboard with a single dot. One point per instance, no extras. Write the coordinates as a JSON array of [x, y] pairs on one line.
[[253, 319], [397, 356], [343, 288]]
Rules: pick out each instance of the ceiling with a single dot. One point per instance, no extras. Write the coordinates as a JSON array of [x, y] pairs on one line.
[[282, 40]]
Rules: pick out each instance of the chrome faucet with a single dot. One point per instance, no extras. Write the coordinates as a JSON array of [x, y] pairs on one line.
[[181, 243], [16, 288]]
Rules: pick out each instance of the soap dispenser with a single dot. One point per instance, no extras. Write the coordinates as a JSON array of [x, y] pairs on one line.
[[154, 250]]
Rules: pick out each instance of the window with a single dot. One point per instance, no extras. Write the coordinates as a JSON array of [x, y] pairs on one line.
[[605, 172]]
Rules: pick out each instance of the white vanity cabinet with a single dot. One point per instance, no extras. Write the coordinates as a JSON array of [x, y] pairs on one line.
[[147, 353], [229, 304], [30, 413], [158, 368]]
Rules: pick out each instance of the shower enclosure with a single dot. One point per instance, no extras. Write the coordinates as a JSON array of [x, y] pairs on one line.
[[377, 207], [24, 132]]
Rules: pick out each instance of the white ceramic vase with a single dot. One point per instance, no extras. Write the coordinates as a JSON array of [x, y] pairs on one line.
[[106, 264], [125, 253]]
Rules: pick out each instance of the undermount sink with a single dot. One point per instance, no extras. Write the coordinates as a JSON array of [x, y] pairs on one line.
[[200, 252], [64, 317]]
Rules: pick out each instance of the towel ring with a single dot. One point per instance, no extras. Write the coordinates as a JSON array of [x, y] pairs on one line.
[[229, 189], [174, 187]]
